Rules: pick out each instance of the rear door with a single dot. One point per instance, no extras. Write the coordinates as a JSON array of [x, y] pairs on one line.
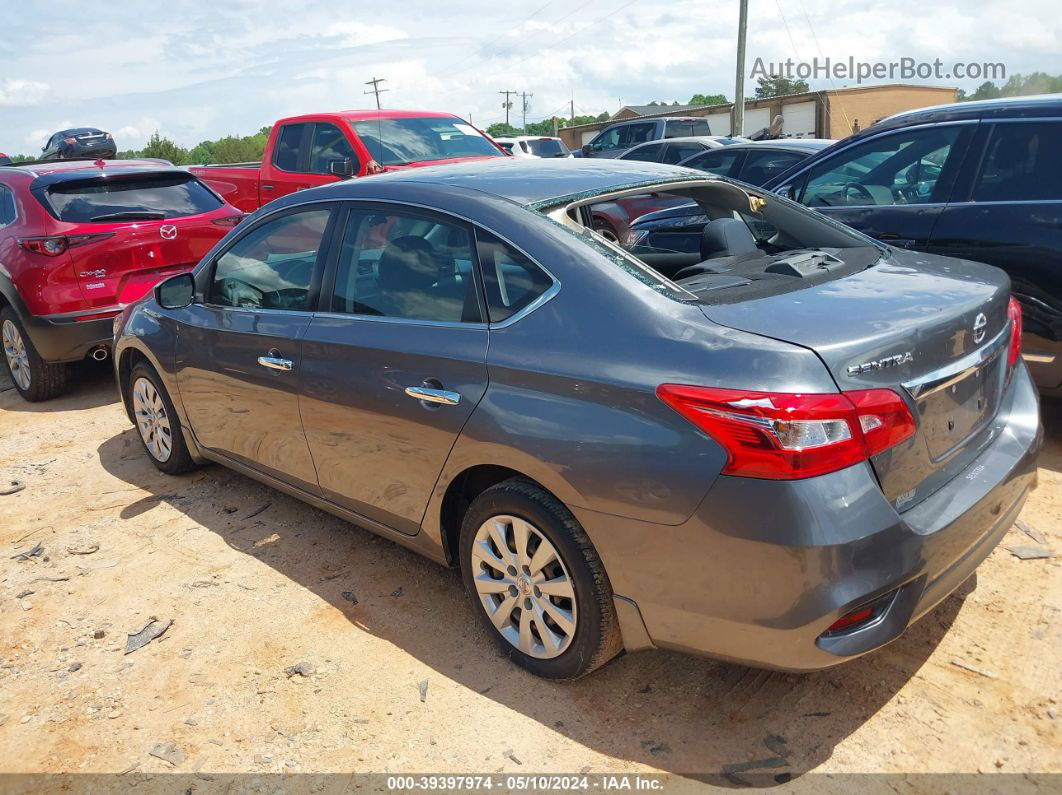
[[892, 186], [238, 352], [127, 232], [395, 361], [1008, 213]]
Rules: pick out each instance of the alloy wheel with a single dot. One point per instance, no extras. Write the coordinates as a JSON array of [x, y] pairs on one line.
[[524, 586], [152, 420], [16, 355]]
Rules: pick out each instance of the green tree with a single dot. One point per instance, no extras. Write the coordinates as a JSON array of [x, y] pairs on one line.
[[1017, 85], [779, 87], [707, 99], [502, 130], [164, 148]]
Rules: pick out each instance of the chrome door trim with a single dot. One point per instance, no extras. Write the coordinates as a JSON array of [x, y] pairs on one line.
[[275, 363]]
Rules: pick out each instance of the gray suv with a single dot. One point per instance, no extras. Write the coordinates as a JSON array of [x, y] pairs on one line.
[[781, 450], [617, 138]]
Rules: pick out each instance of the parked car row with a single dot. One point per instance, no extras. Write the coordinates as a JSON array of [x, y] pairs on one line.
[[456, 355]]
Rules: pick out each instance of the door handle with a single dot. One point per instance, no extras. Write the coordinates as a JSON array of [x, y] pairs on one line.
[[267, 187], [275, 363], [433, 395]]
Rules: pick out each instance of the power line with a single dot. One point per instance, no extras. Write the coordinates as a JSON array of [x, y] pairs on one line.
[[375, 83]]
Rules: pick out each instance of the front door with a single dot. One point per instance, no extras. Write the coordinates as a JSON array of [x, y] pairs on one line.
[[394, 366], [238, 354], [302, 158], [892, 187]]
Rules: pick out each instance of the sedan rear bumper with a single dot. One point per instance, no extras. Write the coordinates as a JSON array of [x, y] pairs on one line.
[[764, 568]]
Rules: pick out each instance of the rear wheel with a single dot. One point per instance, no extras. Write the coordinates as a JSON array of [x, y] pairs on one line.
[[157, 423], [34, 378], [537, 582]]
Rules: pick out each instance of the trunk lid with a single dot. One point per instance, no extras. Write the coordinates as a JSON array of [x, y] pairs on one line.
[[931, 329], [121, 269]]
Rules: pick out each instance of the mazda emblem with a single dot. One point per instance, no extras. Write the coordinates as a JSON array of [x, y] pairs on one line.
[[980, 326], [169, 232]]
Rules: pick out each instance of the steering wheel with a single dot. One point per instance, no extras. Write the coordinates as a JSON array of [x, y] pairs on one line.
[[858, 188]]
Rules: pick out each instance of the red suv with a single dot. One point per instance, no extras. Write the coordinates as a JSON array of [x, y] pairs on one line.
[[80, 239]]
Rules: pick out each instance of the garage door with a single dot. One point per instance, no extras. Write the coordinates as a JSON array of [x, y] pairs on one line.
[[799, 120]]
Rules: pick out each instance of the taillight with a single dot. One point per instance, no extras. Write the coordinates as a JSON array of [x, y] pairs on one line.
[[783, 436], [56, 245], [231, 220], [108, 136], [69, 141], [1014, 318]]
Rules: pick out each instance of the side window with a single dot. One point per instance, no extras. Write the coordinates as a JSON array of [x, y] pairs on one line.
[[761, 166], [8, 213], [649, 153], [406, 266], [678, 129], [328, 145], [286, 154], [716, 161], [510, 279], [902, 168], [609, 139], [1023, 162], [634, 134], [676, 153], [272, 266]]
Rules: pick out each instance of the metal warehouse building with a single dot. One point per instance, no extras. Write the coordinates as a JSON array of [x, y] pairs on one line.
[[833, 113]]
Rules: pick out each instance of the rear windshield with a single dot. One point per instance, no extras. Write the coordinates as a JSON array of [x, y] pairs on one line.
[[548, 147], [109, 199], [396, 142]]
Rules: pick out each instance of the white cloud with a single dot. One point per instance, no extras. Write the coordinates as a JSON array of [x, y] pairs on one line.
[[22, 92]]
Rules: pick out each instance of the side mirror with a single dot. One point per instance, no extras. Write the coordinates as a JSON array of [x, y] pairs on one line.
[[176, 292], [344, 169], [786, 192], [585, 150]]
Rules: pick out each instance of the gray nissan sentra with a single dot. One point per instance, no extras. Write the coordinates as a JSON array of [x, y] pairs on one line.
[[781, 450]]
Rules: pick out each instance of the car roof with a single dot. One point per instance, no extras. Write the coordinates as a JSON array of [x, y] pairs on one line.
[[1003, 108], [808, 145], [523, 181], [527, 138], [74, 130], [50, 172], [372, 115]]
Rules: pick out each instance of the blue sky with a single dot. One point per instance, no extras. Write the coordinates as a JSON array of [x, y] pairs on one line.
[[194, 69]]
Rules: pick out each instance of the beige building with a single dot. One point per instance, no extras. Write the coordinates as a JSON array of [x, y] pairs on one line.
[[833, 113]]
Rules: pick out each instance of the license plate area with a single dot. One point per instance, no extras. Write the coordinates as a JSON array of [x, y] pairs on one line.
[[959, 406]]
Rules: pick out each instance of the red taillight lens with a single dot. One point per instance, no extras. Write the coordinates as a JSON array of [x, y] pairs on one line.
[[231, 220], [850, 620], [70, 141], [1014, 318], [790, 436], [54, 246], [48, 246]]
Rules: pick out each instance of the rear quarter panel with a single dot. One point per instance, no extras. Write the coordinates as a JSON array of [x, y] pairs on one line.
[[237, 186]]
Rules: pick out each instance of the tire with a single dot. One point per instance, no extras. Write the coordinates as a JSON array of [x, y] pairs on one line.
[[156, 422], [605, 229], [34, 378], [586, 635]]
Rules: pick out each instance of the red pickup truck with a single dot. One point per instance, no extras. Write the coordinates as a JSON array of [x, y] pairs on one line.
[[306, 151]]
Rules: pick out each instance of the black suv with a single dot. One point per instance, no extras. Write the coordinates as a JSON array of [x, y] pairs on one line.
[[617, 138], [976, 180]]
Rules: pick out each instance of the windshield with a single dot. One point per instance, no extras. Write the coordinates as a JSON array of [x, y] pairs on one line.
[[396, 142], [145, 197], [548, 147]]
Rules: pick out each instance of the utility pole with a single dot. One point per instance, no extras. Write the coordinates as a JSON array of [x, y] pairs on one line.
[[573, 110], [375, 83], [507, 105], [738, 126], [525, 96]]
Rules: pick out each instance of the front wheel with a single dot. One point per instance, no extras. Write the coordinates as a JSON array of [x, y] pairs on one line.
[[34, 378], [537, 582], [157, 422]]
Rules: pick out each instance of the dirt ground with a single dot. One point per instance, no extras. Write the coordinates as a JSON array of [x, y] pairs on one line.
[[256, 582]]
